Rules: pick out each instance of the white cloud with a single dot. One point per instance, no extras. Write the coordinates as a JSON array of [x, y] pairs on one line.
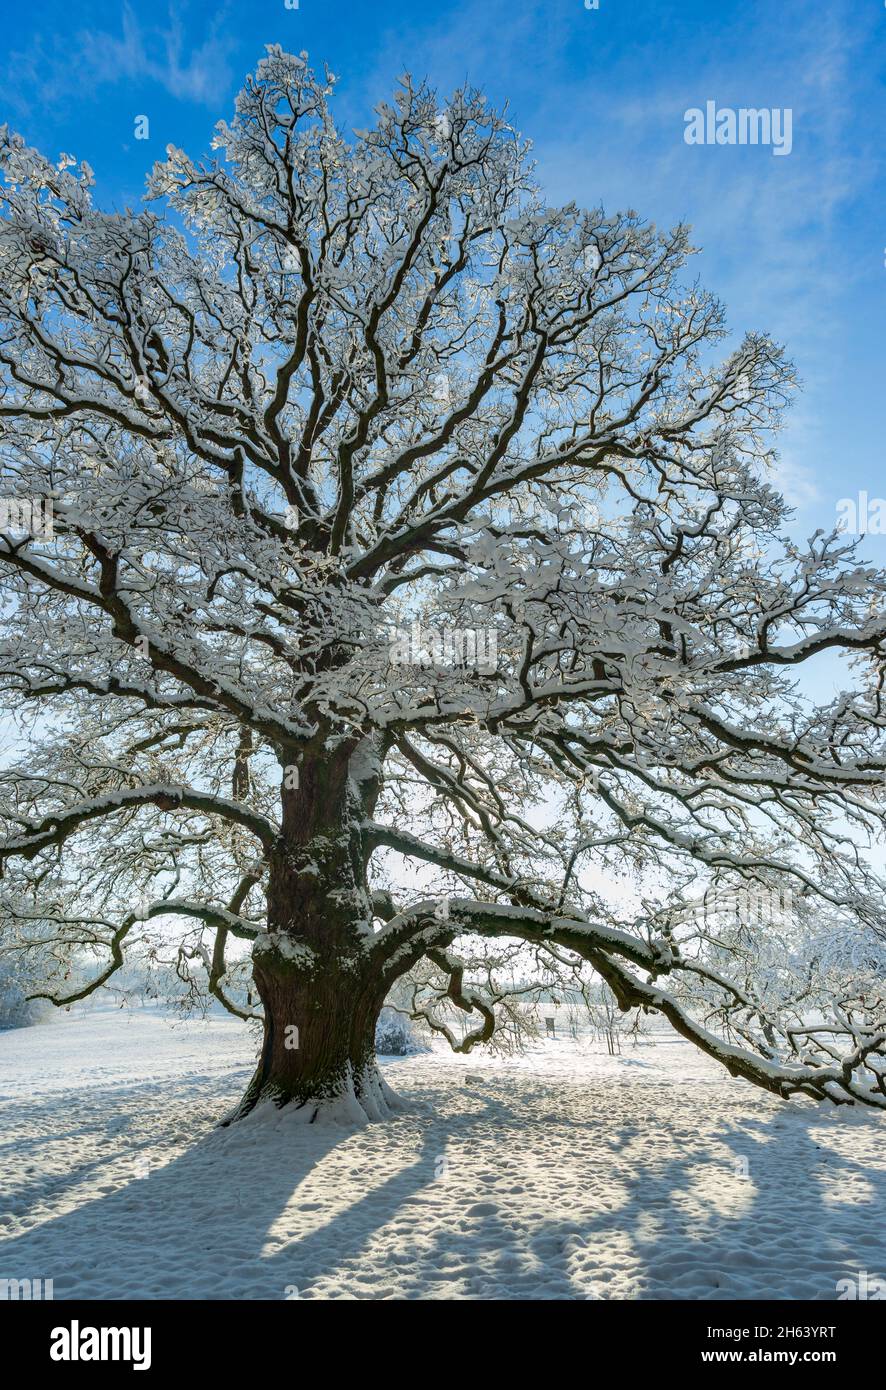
[[55, 68]]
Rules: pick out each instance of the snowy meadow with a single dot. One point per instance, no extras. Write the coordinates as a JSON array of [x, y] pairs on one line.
[[564, 1173]]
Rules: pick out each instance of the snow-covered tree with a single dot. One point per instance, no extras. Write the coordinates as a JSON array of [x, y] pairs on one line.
[[16, 1009], [412, 570]]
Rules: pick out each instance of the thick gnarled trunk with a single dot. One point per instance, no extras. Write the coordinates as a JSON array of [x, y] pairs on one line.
[[319, 1034], [320, 987]]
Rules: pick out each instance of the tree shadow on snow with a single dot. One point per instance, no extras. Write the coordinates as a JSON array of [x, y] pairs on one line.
[[202, 1224], [661, 1203], [763, 1208]]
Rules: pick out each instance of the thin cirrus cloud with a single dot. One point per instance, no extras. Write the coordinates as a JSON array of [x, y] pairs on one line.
[[82, 64], [790, 244]]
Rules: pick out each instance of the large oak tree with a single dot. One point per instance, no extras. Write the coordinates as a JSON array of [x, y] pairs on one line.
[[326, 391]]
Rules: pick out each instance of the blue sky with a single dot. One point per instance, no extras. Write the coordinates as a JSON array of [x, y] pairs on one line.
[[794, 245]]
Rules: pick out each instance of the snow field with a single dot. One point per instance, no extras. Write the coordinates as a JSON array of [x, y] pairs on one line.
[[562, 1174]]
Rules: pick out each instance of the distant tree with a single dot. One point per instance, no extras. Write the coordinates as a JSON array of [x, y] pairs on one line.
[[395, 511], [395, 1035], [16, 1009]]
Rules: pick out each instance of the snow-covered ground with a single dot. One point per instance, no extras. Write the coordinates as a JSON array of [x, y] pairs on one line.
[[565, 1173]]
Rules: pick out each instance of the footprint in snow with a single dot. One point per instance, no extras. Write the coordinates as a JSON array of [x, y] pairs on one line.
[[482, 1209]]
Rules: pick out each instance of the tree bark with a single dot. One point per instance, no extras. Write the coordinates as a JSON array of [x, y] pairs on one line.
[[321, 989], [319, 1037]]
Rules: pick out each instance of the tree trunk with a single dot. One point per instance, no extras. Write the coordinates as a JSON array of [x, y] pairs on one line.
[[319, 1037], [321, 989]]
